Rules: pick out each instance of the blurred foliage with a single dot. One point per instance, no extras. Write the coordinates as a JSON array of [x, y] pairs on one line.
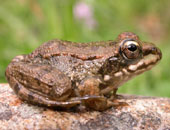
[[25, 24]]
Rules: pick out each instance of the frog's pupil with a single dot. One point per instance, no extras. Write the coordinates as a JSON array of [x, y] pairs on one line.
[[132, 47]]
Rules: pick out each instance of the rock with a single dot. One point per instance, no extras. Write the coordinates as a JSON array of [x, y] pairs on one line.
[[147, 113]]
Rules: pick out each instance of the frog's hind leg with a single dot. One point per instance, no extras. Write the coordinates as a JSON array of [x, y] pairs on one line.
[[34, 98], [40, 84]]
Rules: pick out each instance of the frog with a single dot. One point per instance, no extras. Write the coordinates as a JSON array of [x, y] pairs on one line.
[[69, 74]]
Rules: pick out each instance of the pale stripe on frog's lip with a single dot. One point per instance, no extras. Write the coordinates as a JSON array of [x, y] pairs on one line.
[[143, 65]]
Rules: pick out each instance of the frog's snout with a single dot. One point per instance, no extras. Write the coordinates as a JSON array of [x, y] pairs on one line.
[[156, 51], [150, 48]]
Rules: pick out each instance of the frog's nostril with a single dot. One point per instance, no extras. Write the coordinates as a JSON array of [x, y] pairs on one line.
[[154, 49]]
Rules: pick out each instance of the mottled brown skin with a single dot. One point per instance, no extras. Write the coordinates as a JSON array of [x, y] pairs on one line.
[[66, 74]]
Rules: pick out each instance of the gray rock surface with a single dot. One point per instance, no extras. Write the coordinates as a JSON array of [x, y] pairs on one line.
[[140, 113]]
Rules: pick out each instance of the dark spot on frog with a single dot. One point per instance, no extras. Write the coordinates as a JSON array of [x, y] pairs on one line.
[[30, 96], [16, 88], [46, 69], [37, 81], [5, 112], [91, 57], [112, 43]]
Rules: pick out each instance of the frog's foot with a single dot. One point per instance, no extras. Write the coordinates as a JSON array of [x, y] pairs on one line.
[[99, 103], [88, 102], [114, 99], [117, 96], [116, 103], [113, 95]]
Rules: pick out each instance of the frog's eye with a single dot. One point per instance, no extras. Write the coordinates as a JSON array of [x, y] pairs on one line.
[[131, 49]]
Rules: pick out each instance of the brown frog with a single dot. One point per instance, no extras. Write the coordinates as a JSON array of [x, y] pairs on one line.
[[66, 74]]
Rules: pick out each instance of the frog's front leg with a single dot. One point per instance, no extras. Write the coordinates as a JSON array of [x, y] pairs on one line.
[[40, 84], [90, 87], [115, 95]]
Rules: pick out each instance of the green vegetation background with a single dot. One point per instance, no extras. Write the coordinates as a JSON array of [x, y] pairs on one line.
[[26, 24]]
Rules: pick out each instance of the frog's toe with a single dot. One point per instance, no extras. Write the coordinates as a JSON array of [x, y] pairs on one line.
[[116, 103], [95, 102], [117, 96]]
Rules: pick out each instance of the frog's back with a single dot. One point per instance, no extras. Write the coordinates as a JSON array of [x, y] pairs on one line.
[[84, 51]]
